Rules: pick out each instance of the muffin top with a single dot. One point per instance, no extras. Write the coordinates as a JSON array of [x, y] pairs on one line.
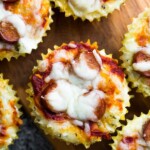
[[136, 53], [22, 25], [9, 114], [134, 135], [81, 86], [88, 9]]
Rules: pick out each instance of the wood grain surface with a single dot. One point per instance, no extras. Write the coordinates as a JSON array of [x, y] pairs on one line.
[[109, 33]]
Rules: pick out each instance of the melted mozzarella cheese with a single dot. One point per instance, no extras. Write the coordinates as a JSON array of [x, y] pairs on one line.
[[43, 65], [123, 146], [74, 101], [142, 66], [97, 57], [71, 45], [96, 81], [146, 49], [82, 69], [61, 54], [74, 81], [7, 46], [3, 12], [58, 99], [77, 123], [84, 6], [86, 105], [59, 71], [87, 128], [36, 8]]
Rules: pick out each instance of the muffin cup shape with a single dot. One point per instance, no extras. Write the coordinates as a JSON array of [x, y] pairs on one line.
[[134, 134], [10, 114], [79, 119], [89, 10], [135, 49], [30, 20]]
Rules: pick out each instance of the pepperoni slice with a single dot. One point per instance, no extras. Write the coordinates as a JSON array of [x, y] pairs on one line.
[[8, 32], [141, 56], [52, 85], [146, 131], [91, 61], [100, 110], [9, 1]]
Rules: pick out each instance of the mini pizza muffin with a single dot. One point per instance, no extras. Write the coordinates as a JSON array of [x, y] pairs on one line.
[[9, 114], [135, 135], [23, 23], [136, 53], [88, 9], [78, 93]]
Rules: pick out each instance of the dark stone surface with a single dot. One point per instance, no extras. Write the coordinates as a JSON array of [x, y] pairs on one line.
[[30, 137]]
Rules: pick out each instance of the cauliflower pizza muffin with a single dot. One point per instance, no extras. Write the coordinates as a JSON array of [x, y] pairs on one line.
[[23, 23], [136, 53], [78, 94], [135, 135], [9, 114], [88, 9]]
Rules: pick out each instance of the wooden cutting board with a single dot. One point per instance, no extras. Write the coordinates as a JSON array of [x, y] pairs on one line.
[[108, 33]]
